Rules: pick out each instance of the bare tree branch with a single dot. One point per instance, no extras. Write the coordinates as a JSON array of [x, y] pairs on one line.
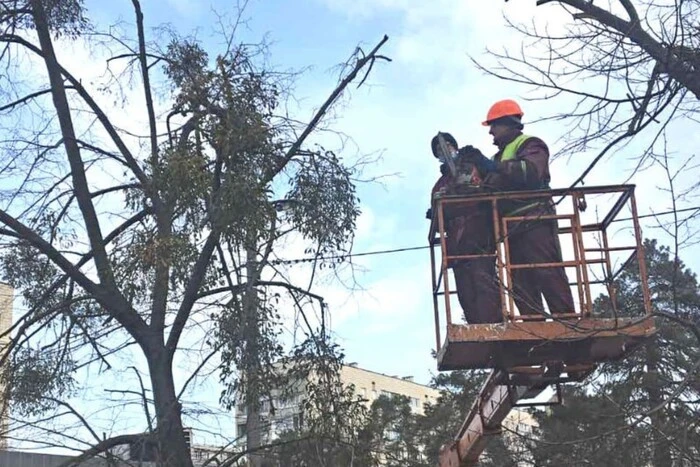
[[321, 112], [104, 446]]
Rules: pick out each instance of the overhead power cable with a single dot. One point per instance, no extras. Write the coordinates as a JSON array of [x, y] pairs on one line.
[[349, 255], [425, 247], [696, 208]]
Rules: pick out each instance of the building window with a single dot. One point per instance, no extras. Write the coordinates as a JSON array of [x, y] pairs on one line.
[[523, 428]]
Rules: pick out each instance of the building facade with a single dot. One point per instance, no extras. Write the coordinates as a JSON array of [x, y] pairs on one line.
[[368, 385], [519, 427]]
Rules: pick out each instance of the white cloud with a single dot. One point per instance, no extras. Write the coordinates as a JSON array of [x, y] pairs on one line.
[[382, 300], [189, 8], [430, 86]]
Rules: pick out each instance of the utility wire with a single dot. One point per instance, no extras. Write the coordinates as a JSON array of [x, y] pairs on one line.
[[424, 247], [349, 255], [696, 208]]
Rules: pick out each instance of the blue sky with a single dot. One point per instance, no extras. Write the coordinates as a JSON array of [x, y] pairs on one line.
[[430, 85]]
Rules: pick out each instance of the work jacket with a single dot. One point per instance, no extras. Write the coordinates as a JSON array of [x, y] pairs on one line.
[[468, 228], [522, 165]]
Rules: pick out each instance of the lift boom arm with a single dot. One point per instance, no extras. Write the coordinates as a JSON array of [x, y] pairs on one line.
[[491, 407]]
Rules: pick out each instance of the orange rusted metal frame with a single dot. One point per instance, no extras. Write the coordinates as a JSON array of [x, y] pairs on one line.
[[471, 437], [497, 397], [570, 339], [510, 315], [437, 236], [444, 268], [436, 308], [586, 303], [504, 389], [500, 263], [641, 260]]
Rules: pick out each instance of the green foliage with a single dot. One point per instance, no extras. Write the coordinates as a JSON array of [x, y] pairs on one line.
[[588, 429], [458, 390], [225, 170], [182, 180], [233, 108], [331, 414], [28, 272], [643, 408], [226, 177], [391, 434], [130, 241], [38, 379], [324, 205], [65, 17], [186, 66], [139, 259], [250, 347], [330, 408]]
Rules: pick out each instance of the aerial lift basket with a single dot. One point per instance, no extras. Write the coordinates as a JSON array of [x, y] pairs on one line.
[[529, 353]]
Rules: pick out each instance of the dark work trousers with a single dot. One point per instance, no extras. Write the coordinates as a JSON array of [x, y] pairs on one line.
[[475, 279], [538, 242]]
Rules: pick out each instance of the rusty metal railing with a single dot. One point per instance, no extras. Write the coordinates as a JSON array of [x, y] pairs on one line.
[[580, 233]]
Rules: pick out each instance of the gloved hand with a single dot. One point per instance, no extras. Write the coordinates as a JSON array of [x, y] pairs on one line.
[[470, 153], [462, 179], [429, 213], [494, 182], [476, 157]]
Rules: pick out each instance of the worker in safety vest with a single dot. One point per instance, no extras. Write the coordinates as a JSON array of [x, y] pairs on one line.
[[469, 233], [522, 163]]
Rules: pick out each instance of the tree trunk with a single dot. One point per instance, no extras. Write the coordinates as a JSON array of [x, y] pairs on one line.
[[172, 445], [251, 367], [661, 454], [253, 433]]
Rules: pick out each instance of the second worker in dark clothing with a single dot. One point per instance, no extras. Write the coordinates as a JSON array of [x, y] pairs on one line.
[[470, 232], [522, 163]]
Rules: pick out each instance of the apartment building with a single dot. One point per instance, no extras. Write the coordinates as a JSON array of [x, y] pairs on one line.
[[519, 426], [369, 385]]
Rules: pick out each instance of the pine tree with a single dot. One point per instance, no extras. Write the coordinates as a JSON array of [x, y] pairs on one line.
[[642, 410]]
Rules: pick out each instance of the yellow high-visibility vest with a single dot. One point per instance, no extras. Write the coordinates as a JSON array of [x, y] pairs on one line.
[[508, 154], [511, 148]]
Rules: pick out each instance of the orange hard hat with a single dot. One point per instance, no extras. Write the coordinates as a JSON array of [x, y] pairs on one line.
[[504, 108]]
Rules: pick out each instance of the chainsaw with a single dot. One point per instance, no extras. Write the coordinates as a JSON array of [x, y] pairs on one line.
[[445, 155]]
